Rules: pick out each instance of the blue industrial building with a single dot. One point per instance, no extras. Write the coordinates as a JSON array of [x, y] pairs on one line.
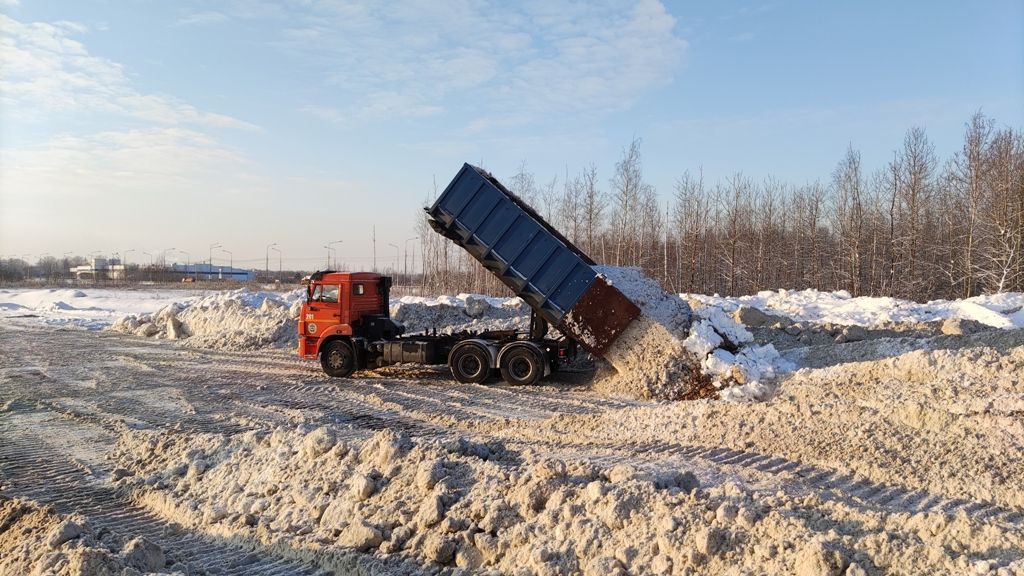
[[204, 271]]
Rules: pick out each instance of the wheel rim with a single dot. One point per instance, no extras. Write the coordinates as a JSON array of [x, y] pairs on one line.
[[470, 365], [336, 360], [520, 368]]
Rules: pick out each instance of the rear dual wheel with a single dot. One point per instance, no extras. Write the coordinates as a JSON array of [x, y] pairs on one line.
[[470, 364], [521, 367]]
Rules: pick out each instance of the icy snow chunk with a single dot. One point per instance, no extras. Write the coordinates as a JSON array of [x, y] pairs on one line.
[[144, 555], [476, 306], [66, 530], [361, 536]]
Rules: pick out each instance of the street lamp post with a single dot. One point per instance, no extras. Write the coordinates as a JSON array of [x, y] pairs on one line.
[[327, 265], [125, 262], [335, 251], [407, 257], [188, 259], [396, 255], [67, 267], [266, 268], [231, 258], [275, 249], [209, 276]]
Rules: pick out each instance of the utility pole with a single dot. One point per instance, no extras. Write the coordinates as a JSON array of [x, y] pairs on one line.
[[373, 237]]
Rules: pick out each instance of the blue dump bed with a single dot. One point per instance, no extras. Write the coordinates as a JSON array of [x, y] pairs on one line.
[[529, 256]]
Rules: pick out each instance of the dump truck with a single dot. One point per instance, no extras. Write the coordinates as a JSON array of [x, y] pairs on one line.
[[345, 321]]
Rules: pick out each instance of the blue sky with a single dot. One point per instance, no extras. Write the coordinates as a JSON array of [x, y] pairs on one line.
[[147, 125]]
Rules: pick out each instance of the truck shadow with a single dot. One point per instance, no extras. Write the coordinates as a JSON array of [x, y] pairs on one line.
[[575, 377]]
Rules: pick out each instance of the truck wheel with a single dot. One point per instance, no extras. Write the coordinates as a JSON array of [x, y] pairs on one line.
[[338, 359], [521, 367], [470, 365]]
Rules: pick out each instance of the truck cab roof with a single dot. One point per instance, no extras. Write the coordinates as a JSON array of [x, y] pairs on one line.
[[330, 276]]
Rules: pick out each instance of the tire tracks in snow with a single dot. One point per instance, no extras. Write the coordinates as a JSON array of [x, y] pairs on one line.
[[31, 470]]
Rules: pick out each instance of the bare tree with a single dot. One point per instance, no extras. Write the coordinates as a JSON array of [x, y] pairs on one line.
[[627, 190], [1002, 230], [911, 229], [848, 220], [965, 176]]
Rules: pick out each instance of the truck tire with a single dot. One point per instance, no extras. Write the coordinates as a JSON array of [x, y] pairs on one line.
[[338, 359], [521, 366], [470, 364]]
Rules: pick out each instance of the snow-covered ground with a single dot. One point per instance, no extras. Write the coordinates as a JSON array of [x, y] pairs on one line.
[[739, 367], [98, 308], [998, 310], [88, 308], [896, 447]]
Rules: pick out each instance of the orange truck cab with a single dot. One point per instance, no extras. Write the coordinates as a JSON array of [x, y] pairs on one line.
[[344, 308]]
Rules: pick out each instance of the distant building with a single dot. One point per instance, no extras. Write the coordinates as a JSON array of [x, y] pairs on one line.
[[97, 268], [203, 271]]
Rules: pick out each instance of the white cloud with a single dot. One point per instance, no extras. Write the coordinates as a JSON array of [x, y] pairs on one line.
[[202, 18], [492, 58], [46, 71], [332, 115], [109, 186]]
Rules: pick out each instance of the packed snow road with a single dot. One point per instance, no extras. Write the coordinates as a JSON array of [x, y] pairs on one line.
[[897, 448], [68, 394]]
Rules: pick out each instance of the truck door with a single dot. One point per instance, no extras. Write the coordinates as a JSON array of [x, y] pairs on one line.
[[324, 308]]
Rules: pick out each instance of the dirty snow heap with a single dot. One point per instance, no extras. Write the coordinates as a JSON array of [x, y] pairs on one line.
[[671, 353]]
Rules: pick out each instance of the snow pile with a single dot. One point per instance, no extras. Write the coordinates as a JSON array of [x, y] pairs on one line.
[[452, 503], [666, 354], [449, 504], [739, 368], [996, 311], [648, 357], [37, 540], [414, 506], [236, 320], [245, 319], [465, 312]]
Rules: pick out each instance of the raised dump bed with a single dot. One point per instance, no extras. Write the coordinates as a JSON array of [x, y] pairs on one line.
[[529, 256]]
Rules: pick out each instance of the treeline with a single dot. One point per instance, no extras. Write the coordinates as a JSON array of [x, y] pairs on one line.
[[919, 227]]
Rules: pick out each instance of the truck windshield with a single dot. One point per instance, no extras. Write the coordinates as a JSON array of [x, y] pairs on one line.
[[326, 293]]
